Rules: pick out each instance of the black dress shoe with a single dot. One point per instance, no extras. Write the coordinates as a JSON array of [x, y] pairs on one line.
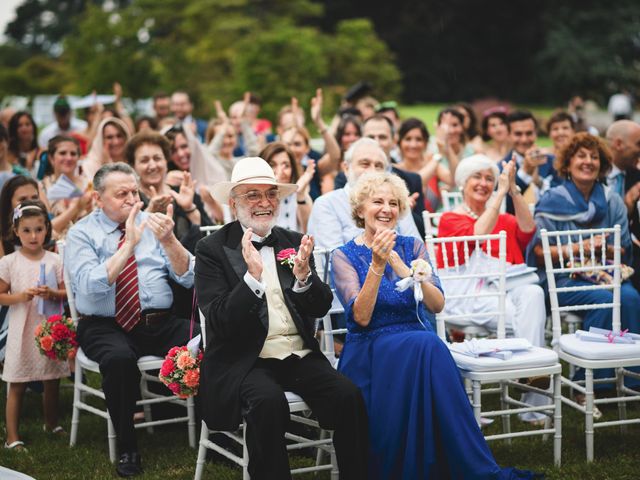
[[129, 465]]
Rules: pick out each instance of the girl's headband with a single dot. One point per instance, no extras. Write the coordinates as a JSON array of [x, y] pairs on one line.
[[17, 212]]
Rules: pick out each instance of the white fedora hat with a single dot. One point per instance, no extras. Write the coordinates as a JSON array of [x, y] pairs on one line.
[[253, 171]]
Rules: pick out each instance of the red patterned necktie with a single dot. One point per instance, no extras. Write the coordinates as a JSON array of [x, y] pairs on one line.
[[127, 298]]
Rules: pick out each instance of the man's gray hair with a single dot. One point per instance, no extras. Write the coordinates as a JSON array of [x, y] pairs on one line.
[[101, 175], [362, 142]]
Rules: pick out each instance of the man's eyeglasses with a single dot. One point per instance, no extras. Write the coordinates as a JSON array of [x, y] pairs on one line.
[[254, 196]]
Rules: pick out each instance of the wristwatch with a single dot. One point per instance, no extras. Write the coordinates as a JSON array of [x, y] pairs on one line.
[[304, 282]]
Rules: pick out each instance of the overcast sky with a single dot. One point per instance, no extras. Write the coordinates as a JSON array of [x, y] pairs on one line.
[[7, 13]]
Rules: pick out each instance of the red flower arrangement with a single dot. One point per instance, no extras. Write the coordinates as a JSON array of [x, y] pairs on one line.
[[286, 256], [180, 371], [56, 338]]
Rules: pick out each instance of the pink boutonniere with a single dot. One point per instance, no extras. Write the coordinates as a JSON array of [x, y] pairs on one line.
[[286, 256]]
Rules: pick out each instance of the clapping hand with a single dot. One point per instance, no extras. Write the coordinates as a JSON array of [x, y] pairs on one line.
[[383, 242], [184, 198], [316, 110], [157, 203], [510, 169], [295, 112], [133, 232], [413, 198], [251, 255], [220, 113], [505, 178], [301, 266], [305, 179], [161, 225]]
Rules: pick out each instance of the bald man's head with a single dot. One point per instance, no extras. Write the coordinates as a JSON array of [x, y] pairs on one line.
[[624, 140]]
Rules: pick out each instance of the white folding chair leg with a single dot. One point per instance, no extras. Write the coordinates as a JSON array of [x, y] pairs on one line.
[[111, 438], [191, 424], [245, 453], [146, 408], [557, 418], [477, 405], [622, 406], [504, 404], [335, 474], [202, 451], [75, 416], [588, 429]]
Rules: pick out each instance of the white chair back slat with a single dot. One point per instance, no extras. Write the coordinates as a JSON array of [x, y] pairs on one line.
[[451, 200], [66, 277], [457, 271], [589, 262], [431, 222], [322, 260]]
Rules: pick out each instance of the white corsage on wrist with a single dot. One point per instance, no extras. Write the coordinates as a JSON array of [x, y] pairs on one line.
[[421, 272]]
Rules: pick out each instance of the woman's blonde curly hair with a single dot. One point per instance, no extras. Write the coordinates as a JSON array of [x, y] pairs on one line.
[[368, 184]]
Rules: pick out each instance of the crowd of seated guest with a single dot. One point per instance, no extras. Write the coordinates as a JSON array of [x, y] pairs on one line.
[[168, 165]]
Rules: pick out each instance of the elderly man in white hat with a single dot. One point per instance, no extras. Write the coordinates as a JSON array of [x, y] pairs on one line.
[[259, 292]]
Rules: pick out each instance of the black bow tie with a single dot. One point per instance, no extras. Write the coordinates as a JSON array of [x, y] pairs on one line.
[[269, 241]]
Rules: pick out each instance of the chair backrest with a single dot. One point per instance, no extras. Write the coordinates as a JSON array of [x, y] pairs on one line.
[[322, 257], [67, 283], [431, 222], [203, 330], [571, 256], [210, 229], [456, 270], [451, 200]]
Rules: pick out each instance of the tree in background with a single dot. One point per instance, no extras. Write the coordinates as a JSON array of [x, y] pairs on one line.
[[591, 47], [211, 48], [432, 50]]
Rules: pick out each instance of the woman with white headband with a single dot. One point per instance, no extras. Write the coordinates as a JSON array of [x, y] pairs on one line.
[[479, 214]]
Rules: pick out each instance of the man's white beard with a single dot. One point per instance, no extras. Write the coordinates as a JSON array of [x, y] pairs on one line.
[[352, 178], [246, 220]]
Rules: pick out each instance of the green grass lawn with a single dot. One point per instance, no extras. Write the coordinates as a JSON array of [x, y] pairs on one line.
[[166, 454]]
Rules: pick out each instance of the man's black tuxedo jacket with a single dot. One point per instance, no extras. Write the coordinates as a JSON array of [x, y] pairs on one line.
[[237, 320]]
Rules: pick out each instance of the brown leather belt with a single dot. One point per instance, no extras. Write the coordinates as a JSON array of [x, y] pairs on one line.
[[148, 318], [154, 317]]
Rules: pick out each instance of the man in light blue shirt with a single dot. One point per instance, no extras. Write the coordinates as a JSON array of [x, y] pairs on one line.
[[331, 223], [150, 254]]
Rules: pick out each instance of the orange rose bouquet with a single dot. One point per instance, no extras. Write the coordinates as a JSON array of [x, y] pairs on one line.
[[56, 338], [180, 371]]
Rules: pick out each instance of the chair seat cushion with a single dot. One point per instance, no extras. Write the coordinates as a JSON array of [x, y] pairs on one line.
[[531, 358], [572, 345]]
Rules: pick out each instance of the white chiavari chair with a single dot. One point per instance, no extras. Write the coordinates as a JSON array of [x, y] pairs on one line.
[[532, 362], [588, 355], [148, 366]]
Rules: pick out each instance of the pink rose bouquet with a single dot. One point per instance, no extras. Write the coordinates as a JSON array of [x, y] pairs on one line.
[[180, 371], [56, 338]]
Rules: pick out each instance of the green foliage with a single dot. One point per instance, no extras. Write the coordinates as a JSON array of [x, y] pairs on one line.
[[594, 50], [214, 49], [356, 53], [280, 63], [106, 48], [36, 74]]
